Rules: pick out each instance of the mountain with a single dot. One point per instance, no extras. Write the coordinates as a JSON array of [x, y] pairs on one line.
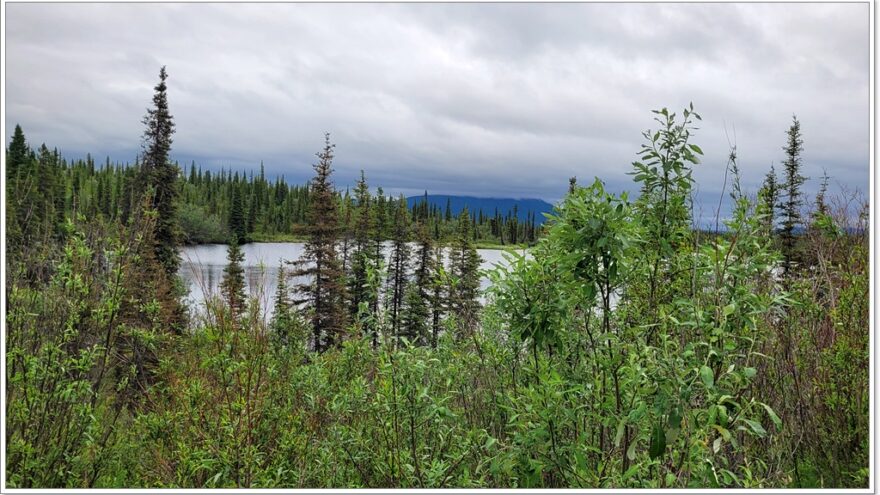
[[488, 205]]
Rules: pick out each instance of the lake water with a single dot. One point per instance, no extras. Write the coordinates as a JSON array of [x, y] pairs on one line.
[[202, 268]]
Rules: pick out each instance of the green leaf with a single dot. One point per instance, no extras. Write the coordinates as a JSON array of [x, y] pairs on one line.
[[490, 442], [729, 309], [630, 472], [708, 376], [631, 451], [725, 433], [750, 373], [675, 418], [696, 149], [773, 416], [716, 445], [658, 441], [581, 460], [756, 427], [619, 434], [636, 414]]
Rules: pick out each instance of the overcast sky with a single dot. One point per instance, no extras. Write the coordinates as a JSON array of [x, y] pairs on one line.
[[482, 99]]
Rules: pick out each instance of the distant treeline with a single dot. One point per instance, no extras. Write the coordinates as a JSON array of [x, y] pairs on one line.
[[214, 206]]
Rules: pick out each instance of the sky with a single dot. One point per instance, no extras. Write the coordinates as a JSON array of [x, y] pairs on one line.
[[494, 100]]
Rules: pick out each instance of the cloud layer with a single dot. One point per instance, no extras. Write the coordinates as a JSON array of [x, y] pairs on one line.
[[478, 99]]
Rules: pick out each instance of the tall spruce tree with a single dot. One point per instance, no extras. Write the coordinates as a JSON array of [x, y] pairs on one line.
[[791, 204], [324, 293], [161, 177]]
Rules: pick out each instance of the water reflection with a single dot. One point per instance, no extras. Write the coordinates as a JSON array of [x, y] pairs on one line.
[[202, 268]]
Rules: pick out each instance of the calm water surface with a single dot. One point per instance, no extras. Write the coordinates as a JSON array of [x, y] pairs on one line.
[[202, 268]]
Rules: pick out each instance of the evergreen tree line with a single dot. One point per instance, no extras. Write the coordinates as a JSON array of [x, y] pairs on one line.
[[215, 206]]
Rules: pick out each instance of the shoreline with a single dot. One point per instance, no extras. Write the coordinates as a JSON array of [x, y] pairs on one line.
[[295, 239]]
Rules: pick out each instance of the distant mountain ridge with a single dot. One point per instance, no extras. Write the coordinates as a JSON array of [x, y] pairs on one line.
[[488, 205]]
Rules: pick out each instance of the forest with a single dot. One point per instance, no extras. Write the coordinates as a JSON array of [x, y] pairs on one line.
[[624, 348], [213, 207]]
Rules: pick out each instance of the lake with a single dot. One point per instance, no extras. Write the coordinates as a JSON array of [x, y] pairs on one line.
[[202, 268]]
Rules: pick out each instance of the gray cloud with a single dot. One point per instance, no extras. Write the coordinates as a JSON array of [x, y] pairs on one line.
[[484, 99]]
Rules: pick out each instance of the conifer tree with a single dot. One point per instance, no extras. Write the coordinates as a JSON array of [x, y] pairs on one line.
[[398, 265], [324, 293], [346, 229], [381, 214], [438, 300], [791, 205], [237, 224], [364, 249], [161, 177], [821, 206], [251, 223], [464, 266], [49, 211], [282, 314], [232, 285], [17, 154], [414, 316], [770, 196], [418, 295], [17, 158]]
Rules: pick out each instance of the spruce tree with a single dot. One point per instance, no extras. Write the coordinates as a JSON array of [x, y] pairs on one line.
[[418, 295], [398, 265], [237, 223], [414, 316], [346, 229], [464, 266], [282, 316], [46, 219], [769, 194], [324, 293], [251, 223], [439, 295], [791, 204], [381, 213], [821, 205], [17, 154], [161, 177], [232, 285], [363, 256], [17, 159]]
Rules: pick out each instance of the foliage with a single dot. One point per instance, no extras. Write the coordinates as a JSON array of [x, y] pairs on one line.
[[625, 349], [323, 294], [790, 206]]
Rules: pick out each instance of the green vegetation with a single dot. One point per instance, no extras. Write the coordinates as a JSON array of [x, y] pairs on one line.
[[624, 350], [213, 207]]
